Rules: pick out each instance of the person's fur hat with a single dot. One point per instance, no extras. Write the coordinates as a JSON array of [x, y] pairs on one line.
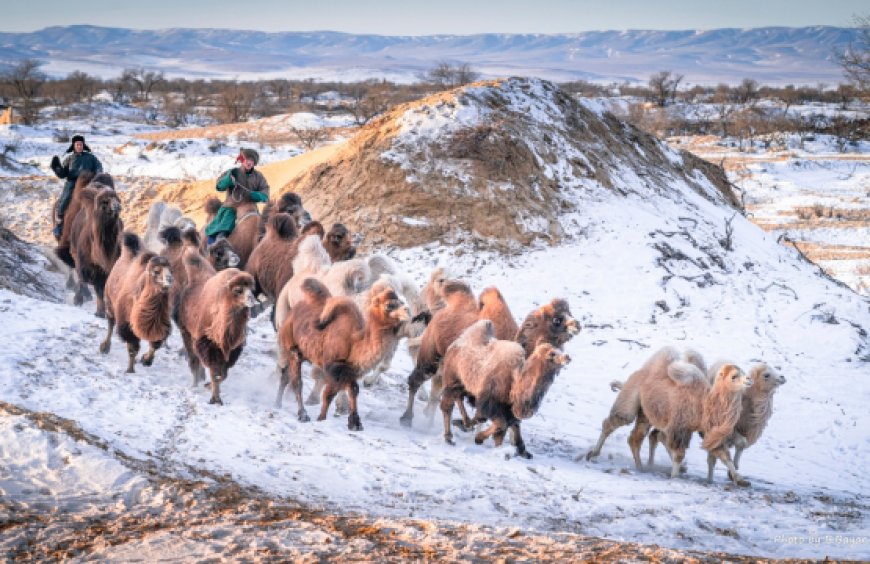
[[72, 142], [251, 154]]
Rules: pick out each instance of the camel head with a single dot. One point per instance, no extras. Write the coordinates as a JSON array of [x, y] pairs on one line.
[[107, 205], [539, 371], [765, 379], [731, 376], [389, 309], [240, 290], [552, 322], [222, 255], [159, 272]]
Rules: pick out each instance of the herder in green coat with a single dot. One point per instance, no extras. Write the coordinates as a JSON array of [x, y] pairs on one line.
[[77, 159], [243, 184]]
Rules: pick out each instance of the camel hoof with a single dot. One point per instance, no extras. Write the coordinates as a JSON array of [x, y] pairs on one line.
[[78, 300], [743, 483], [354, 423], [460, 424], [303, 417], [449, 441], [590, 455], [321, 417], [478, 440], [131, 371], [147, 360], [100, 314], [105, 348], [217, 401], [406, 420], [524, 454]]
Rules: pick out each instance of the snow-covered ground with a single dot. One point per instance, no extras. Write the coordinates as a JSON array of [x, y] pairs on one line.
[[621, 271]]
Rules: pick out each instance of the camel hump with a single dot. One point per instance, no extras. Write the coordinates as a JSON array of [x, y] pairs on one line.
[[283, 225], [132, 243], [191, 236], [315, 290], [684, 373], [171, 236]]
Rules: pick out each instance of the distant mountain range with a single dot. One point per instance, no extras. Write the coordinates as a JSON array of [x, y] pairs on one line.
[[772, 55]]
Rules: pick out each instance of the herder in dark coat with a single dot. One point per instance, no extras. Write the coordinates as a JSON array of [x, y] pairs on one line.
[[77, 159], [243, 184]]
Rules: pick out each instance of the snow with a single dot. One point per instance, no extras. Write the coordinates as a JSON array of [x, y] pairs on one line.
[[756, 302]]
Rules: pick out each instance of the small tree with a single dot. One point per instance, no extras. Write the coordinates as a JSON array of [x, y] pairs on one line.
[[142, 81], [855, 59], [234, 102], [310, 137], [25, 81], [746, 92], [663, 87]]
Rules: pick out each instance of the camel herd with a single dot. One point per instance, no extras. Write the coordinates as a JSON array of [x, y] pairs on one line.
[[345, 315]]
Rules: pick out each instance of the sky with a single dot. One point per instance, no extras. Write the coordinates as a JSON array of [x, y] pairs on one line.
[[414, 17]]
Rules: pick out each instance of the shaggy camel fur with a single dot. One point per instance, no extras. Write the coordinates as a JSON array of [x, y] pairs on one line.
[[508, 387], [675, 396], [271, 262], [289, 203], [338, 243], [160, 216], [756, 410], [551, 322], [90, 241], [495, 308], [332, 333], [311, 260], [213, 314], [460, 311], [137, 300], [175, 242], [722, 407]]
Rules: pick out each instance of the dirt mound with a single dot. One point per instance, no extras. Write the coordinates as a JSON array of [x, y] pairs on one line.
[[498, 163], [25, 270]]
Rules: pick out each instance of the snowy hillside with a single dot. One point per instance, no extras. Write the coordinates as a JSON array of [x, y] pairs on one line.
[[647, 264], [774, 55]]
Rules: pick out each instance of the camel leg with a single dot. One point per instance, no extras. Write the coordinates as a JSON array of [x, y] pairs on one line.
[[148, 357], [635, 439], [99, 289], [196, 369], [722, 454], [434, 395], [496, 430], [329, 391], [613, 422], [106, 345], [447, 401], [677, 456], [740, 444], [466, 424], [518, 441], [282, 385], [132, 351], [317, 391], [353, 421], [711, 464], [217, 375], [653, 443], [419, 375]]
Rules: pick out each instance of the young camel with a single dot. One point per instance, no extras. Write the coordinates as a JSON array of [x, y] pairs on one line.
[[137, 300], [676, 397], [212, 315], [332, 333], [508, 387]]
